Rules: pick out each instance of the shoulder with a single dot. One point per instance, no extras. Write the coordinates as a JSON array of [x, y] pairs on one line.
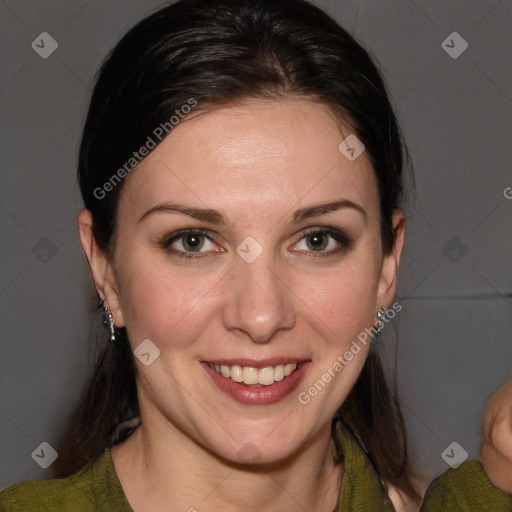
[[48, 495], [92, 488], [465, 489], [361, 488]]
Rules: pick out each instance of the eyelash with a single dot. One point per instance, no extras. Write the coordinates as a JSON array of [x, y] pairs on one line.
[[345, 242]]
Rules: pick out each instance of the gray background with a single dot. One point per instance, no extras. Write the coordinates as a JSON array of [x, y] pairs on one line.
[[455, 329]]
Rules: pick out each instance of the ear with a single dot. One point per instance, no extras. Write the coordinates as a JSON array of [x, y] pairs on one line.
[[101, 267], [391, 261]]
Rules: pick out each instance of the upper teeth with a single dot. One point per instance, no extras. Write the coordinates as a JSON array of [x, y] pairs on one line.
[[249, 375]]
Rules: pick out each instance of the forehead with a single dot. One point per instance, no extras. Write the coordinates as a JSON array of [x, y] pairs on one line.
[[258, 154]]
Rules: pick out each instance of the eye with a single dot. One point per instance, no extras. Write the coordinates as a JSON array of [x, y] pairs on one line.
[[317, 240], [194, 243], [186, 242]]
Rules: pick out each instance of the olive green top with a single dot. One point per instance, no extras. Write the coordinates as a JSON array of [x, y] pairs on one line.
[[97, 488], [465, 489]]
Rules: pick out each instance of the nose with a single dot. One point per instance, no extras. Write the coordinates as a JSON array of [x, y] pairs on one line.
[[259, 302]]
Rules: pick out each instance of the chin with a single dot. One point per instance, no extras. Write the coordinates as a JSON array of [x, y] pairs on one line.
[[252, 450]]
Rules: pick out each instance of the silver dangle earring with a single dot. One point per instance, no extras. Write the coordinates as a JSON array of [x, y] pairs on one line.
[[108, 321], [380, 315]]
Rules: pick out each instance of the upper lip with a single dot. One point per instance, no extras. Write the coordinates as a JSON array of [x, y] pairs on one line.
[[262, 363]]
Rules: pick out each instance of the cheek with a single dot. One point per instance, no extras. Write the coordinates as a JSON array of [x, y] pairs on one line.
[[163, 303], [344, 300]]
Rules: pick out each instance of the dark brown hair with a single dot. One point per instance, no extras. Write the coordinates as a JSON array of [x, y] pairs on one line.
[[219, 52]]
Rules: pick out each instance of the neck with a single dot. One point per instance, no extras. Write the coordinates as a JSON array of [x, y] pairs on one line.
[[161, 468]]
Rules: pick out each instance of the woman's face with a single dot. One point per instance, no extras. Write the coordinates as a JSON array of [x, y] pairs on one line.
[[257, 290]]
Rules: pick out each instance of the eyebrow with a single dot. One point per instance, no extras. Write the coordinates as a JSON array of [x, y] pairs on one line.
[[217, 218]]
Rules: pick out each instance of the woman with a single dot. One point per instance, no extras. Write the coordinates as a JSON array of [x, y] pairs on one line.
[[225, 140]]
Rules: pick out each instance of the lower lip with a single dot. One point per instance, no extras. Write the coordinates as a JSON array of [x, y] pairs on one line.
[[264, 395]]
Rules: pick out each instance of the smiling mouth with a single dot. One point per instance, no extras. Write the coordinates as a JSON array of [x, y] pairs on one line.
[[256, 377]]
